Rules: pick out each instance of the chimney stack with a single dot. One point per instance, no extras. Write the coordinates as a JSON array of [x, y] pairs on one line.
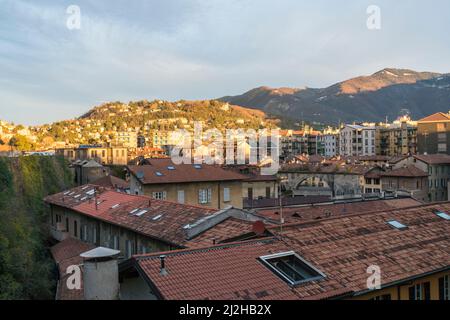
[[101, 274], [163, 265]]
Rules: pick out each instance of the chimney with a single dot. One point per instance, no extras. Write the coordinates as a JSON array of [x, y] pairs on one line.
[[101, 274], [163, 270]]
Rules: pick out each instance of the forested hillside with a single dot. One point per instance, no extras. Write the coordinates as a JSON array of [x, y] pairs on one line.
[[25, 264]]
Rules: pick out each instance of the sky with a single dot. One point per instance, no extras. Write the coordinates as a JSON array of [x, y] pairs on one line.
[[201, 49]]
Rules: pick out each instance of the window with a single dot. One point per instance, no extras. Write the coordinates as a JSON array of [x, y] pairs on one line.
[[443, 215], [420, 291], [180, 196], [444, 288], [292, 268], [160, 195], [204, 196], [268, 193], [250, 193], [75, 229], [129, 248], [226, 195], [67, 225]]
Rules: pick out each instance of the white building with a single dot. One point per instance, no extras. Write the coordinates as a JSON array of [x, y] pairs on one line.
[[330, 143], [357, 140]]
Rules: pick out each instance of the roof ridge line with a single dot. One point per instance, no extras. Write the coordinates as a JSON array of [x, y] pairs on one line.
[[203, 249], [294, 224]]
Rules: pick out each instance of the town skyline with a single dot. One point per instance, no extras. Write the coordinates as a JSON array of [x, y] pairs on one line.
[[191, 50]]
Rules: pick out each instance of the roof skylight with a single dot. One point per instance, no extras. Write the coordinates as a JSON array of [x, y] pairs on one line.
[[134, 211], [197, 166], [292, 268], [397, 225], [141, 213], [157, 217], [170, 168], [159, 174], [115, 206], [443, 215]]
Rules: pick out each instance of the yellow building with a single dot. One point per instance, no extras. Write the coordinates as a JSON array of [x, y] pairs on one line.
[[203, 185]]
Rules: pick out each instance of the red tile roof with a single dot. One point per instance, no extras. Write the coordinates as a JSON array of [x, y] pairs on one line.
[[318, 211], [112, 182], [65, 254], [167, 228], [434, 158], [227, 229], [182, 173], [437, 117], [342, 248], [406, 172]]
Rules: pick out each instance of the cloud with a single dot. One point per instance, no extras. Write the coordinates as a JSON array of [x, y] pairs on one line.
[[195, 49]]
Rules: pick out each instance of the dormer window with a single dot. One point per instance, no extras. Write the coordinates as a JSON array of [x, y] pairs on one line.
[[292, 268]]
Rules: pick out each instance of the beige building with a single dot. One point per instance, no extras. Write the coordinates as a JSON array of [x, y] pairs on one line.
[[202, 185], [103, 155], [396, 139]]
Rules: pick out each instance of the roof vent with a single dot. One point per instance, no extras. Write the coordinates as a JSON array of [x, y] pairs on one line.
[[163, 270], [397, 225]]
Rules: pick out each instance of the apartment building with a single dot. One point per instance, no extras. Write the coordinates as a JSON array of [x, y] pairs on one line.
[[208, 186], [138, 224], [330, 145], [397, 139], [357, 140], [433, 134], [101, 154], [437, 166]]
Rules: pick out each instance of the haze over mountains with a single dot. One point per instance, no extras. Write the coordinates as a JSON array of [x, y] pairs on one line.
[[386, 93]]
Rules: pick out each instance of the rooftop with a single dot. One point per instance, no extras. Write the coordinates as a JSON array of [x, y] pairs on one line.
[[406, 172], [437, 117], [327, 210], [112, 182], [173, 223], [339, 250], [162, 171], [434, 158]]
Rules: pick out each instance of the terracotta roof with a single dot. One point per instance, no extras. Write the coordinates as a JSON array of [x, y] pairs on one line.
[[159, 173], [341, 248], [434, 158], [437, 117], [112, 182], [222, 232], [167, 228], [65, 254], [407, 172], [227, 272], [314, 212]]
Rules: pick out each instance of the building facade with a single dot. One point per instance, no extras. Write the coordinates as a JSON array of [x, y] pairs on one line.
[[357, 140], [433, 134]]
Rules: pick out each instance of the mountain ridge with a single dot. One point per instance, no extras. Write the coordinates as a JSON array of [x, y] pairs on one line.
[[365, 98]]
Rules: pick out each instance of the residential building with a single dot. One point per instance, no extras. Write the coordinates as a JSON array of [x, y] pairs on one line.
[[330, 144], [433, 134], [357, 140], [101, 154], [87, 171], [127, 139], [409, 179], [204, 185], [438, 168], [397, 139], [137, 224]]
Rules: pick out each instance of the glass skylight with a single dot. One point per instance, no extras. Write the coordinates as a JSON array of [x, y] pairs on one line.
[[292, 268], [443, 215], [397, 225]]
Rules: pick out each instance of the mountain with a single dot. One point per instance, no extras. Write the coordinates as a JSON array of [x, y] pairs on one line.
[[388, 92]]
